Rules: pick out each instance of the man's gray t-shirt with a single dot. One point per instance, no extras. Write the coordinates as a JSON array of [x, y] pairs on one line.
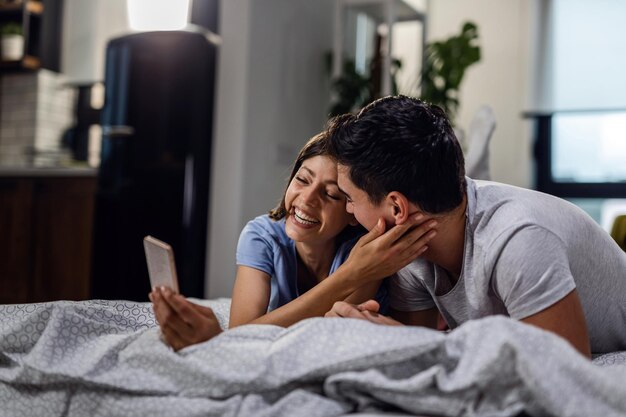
[[524, 251]]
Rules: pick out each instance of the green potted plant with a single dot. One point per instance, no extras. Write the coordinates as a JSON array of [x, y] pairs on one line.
[[11, 41], [353, 90], [445, 64]]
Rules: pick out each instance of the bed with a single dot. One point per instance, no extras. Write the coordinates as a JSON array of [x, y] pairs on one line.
[[106, 358]]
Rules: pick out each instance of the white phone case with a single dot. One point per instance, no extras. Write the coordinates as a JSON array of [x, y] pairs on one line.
[[161, 266]]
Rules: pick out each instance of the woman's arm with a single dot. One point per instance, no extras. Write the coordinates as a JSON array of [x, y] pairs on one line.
[[251, 296], [376, 255], [313, 303], [364, 293], [183, 323]]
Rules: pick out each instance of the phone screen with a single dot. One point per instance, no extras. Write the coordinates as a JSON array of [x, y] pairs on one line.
[[161, 266]]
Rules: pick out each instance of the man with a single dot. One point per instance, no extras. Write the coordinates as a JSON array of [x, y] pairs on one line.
[[499, 249]]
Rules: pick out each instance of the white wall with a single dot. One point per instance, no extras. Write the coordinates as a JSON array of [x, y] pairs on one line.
[[501, 79], [272, 96], [88, 26]]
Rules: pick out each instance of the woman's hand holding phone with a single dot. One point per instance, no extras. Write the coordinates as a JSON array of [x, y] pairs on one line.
[[182, 322]]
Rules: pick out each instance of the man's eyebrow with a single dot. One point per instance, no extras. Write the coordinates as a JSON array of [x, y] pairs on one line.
[[343, 192]]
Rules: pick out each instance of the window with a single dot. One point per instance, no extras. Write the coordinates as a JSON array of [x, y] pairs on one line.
[[580, 142], [589, 147]]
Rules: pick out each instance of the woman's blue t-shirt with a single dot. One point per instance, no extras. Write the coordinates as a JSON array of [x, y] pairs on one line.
[[264, 245]]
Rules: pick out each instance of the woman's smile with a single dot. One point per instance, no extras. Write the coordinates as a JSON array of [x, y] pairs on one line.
[[303, 218]]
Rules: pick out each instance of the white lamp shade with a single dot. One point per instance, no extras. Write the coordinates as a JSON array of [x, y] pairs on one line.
[[147, 15]]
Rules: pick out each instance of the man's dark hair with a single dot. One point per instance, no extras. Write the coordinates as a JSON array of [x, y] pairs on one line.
[[403, 144]]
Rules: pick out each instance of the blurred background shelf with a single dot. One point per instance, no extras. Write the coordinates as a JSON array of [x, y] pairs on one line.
[[26, 63], [38, 23], [31, 6]]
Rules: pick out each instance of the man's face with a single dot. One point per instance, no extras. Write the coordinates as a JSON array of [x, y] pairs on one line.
[[358, 202]]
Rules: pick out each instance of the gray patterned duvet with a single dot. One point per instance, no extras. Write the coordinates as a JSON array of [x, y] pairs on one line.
[[106, 358]]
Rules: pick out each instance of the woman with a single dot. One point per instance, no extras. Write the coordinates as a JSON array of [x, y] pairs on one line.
[[290, 261]]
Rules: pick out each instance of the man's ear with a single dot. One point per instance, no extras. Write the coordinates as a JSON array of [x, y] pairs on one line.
[[352, 221], [399, 206]]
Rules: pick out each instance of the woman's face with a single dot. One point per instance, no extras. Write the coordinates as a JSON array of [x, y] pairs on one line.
[[316, 209]]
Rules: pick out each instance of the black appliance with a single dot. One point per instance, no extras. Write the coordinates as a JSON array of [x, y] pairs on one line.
[[76, 138], [153, 179]]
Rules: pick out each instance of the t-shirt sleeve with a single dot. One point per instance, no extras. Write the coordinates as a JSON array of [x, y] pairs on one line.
[[255, 248], [408, 293], [531, 272], [342, 254]]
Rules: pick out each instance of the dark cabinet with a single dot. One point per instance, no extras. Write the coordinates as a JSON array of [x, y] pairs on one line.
[[15, 243], [45, 250]]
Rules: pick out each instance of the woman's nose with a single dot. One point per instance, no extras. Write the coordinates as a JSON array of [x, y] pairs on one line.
[[309, 197]]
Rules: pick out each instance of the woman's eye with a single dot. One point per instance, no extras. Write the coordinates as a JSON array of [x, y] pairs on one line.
[[300, 179], [333, 196]]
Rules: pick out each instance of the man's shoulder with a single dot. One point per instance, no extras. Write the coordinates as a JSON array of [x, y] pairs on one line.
[[489, 192], [501, 207], [495, 195]]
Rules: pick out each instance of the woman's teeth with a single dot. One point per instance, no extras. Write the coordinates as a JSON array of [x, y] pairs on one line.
[[303, 218]]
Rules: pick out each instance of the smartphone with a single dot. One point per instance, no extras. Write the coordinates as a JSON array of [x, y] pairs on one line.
[[161, 266]]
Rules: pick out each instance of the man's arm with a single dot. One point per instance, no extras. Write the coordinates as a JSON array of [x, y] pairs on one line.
[[532, 277], [567, 319]]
